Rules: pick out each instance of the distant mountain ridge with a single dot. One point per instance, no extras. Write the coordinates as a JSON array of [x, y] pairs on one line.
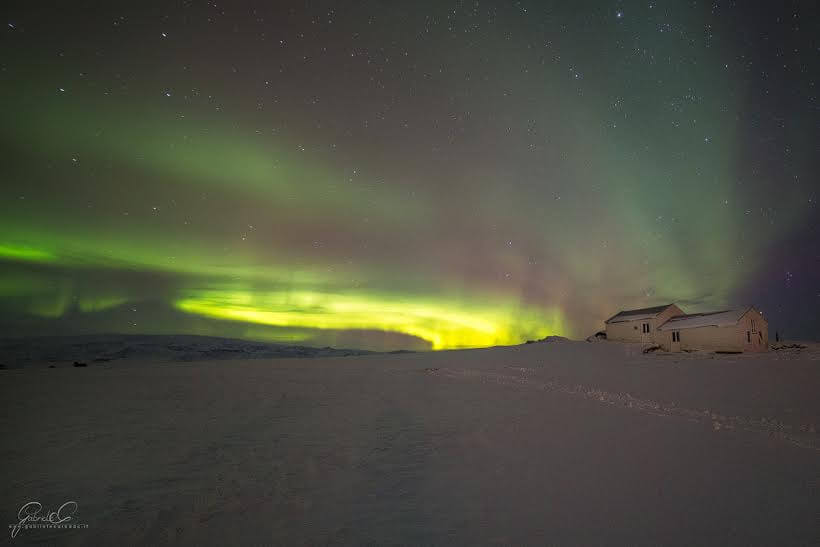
[[103, 348]]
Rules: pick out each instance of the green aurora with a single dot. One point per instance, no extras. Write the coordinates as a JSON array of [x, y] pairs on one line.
[[486, 202]]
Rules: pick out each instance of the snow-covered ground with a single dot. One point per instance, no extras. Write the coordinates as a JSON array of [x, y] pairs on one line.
[[546, 443]]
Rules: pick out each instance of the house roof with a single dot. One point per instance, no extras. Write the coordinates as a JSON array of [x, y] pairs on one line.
[[724, 318], [637, 315]]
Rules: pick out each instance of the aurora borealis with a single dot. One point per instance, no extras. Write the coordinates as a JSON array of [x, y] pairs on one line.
[[409, 175]]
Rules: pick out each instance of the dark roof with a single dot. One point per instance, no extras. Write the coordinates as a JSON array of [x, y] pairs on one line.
[[624, 314], [723, 318], [701, 314]]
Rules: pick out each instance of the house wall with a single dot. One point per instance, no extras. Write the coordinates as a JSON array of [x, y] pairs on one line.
[[626, 331], [730, 338], [758, 331], [630, 331], [662, 318], [710, 338], [664, 339]]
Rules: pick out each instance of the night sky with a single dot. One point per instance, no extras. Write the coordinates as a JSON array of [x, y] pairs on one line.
[[412, 175]]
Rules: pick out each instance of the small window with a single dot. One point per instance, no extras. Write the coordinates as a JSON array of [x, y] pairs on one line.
[[675, 336], [646, 327], [748, 337]]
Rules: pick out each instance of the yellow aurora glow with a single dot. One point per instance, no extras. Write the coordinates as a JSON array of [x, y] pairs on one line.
[[477, 319], [445, 325]]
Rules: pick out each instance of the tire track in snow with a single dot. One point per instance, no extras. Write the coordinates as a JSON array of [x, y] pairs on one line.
[[804, 435]]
